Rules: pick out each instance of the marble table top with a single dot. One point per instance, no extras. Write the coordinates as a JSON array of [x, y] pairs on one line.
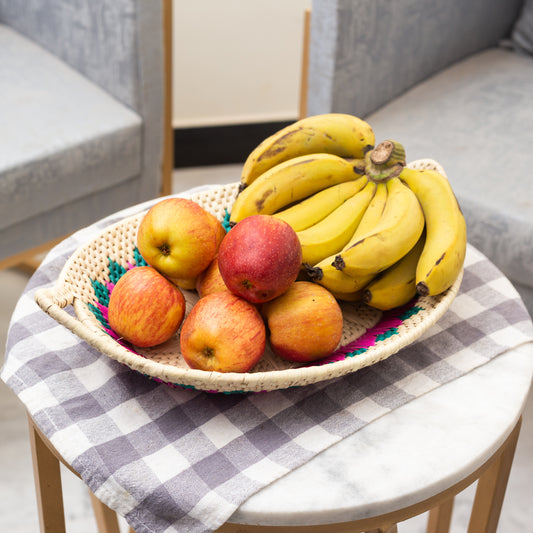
[[407, 455]]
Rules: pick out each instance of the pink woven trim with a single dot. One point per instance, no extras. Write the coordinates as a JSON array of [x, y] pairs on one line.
[[388, 325]]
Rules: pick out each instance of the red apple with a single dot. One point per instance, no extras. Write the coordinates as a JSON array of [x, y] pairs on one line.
[[223, 333], [260, 258], [178, 238], [210, 280], [145, 308], [305, 322]]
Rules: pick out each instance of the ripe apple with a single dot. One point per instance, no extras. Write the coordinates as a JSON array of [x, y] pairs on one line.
[[305, 322], [145, 308], [260, 258], [210, 280], [192, 283], [178, 238], [188, 284], [220, 232], [223, 333]]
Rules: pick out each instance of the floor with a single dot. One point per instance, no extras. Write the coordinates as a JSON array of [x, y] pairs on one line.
[[17, 496]]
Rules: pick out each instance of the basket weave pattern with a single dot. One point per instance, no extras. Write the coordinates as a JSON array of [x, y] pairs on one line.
[[88, 277]]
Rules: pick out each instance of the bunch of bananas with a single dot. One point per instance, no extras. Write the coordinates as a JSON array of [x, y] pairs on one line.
[[370, 228]]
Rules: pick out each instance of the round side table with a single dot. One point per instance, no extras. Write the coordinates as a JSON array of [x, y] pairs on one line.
[[408, 460], [411, 460]]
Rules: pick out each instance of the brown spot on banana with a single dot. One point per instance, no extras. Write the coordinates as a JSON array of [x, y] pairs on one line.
[[260, 202], [279, 146], [435, 264], [440, 258]]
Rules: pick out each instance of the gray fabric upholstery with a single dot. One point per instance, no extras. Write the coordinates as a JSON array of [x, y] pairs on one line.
[[74, 214], [96, 37], [82, 102], [363, 53], [56, 122], [522, 35], [473, 114]]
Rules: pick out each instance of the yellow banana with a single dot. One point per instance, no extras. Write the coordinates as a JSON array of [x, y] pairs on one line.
[[397, 285], [335, 280], [292, 181], [372, 214], [333, 232], [356, 296], [397, 231], [444, 252], [335, 133], [316, 207]]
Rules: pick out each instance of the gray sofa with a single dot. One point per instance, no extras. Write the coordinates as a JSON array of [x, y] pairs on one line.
[[81, 114], [452, 81]]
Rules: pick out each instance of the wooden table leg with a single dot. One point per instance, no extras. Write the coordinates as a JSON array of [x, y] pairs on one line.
[[385, 529], [106, 518], [47, 475], [440, 517], [491, 488]]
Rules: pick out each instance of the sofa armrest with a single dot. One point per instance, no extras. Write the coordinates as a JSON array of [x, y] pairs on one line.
[[118, 45], [98, 38], [363, 53]]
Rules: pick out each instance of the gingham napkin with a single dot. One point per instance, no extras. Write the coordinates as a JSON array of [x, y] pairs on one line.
[[174, 460]]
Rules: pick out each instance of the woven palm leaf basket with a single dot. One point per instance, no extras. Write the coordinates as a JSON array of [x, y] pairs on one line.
[[89, 275]]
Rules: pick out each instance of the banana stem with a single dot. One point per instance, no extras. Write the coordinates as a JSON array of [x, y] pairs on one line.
[[366, 296], [385, 161], [359, 165], [338, 262], [315, 273], [422, 288]]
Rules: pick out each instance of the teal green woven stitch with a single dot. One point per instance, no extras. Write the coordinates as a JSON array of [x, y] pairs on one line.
[[225, 221], [101, 292], [387, 334], [98, 314], [138, 258], [411, 312], [116, 271]]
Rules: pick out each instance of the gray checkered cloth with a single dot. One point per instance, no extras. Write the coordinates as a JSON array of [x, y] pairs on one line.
[[170, 459]]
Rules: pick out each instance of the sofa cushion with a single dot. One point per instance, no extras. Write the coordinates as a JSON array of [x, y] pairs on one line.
[[62, 137], [475, 118], [522, 35]]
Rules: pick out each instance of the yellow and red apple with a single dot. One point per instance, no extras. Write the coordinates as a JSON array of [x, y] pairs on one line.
[[305, 322], [210, 280], [145, 308], [178, 238], [223, 333]]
